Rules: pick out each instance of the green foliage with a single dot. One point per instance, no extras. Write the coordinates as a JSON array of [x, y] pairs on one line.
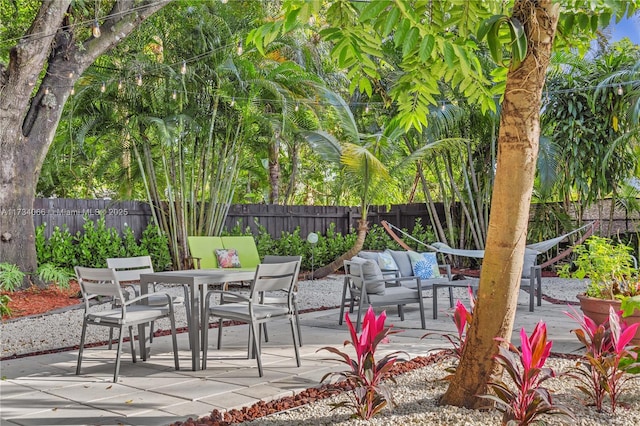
[[130, 246], [10, 277], [154, 242], [330, 245], [62, 251], [609, 266], [59, 249], [4, 305], [97, 243], [50, 273]]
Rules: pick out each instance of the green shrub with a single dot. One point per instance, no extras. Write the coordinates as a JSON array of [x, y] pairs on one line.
[[50, 273], [97, 243], [154, 242], [10, 277], [4, 305], [130, 247]]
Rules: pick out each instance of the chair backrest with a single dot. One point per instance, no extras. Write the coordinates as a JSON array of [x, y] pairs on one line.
[[96, 282], [127, 269], [274, 277], [203, 248], [269, 259], [245, 245]]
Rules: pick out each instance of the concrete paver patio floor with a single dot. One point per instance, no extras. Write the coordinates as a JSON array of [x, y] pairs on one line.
[[44, 390]]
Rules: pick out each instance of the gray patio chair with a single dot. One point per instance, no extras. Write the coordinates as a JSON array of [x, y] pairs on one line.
[[102, 282], [365, 285], [268, 278], [127, 271]]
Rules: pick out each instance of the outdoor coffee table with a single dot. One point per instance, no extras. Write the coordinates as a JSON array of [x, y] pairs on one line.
[[451, 284], [198, 280]]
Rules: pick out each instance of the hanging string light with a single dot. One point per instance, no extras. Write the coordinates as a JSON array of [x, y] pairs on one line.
[[297, 108], [366, 108], [46, 90], [224, 1], [620, 90], [443, 106], [183, 68], [139, 80], [233, 102], [71, 74], [73, 91], [174, 95], [120, 85], [240, 48], [95, 29], [103, 88]]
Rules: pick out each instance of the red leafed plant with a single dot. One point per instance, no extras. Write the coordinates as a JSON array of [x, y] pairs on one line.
[[525, 402], [365, 374], [462, 319], [607, 354]]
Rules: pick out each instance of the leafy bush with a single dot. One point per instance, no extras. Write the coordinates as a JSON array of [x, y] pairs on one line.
[[10, 276], [607, 357], [4, 305], [529, 400], [130, 246], [58, 250], [97, 243], [365, 374], [50, 273], [154, 242]]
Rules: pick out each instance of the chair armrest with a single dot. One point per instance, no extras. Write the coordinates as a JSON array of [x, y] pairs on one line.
[[194, 261], [146, 296], [222, 293]]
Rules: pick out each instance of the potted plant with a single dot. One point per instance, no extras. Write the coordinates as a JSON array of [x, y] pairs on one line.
[[613, 280]]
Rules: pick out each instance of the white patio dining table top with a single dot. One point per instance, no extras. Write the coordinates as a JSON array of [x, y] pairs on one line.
[[198, 281]]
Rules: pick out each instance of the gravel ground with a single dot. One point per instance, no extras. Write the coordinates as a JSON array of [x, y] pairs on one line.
[[417, 393]]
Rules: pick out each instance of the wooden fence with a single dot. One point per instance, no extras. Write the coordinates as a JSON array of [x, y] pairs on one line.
[[276, 219]]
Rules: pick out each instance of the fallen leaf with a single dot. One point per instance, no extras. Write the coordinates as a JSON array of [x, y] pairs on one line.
[[109, 387], [129, 401]]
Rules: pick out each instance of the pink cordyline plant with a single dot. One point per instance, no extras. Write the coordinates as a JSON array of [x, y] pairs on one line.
[[462, 319], [528, 400], [607, 352], [365, 375]]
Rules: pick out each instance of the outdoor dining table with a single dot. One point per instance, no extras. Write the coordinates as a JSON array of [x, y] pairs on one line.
[[198, 280]]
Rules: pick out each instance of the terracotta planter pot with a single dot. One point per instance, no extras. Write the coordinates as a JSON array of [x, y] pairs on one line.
[[598, 310]]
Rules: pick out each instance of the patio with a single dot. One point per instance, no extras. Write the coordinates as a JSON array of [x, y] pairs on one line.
[[43, 390]]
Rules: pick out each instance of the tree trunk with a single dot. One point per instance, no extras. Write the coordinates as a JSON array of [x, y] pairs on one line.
[[274, 170], [517, 155], [363, 228], [28, 121]]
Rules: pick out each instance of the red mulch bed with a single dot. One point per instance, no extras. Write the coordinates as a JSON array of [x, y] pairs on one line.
[[35, 300]]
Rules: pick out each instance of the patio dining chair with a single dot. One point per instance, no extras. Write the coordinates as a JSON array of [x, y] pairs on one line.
[[102, 282], [250, 309], [127, 271]]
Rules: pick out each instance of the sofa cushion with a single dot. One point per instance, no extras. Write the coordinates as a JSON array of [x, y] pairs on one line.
[[371, 272], [402, 260], [369, 255], [424, 265]]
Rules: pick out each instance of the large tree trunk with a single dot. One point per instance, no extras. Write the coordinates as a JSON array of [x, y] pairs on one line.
[[517, 155], [28, 121]]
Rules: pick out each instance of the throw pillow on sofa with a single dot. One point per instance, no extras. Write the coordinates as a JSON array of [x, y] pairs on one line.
[[228, 258], [424, 265], [386, 262], [370, 272]]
